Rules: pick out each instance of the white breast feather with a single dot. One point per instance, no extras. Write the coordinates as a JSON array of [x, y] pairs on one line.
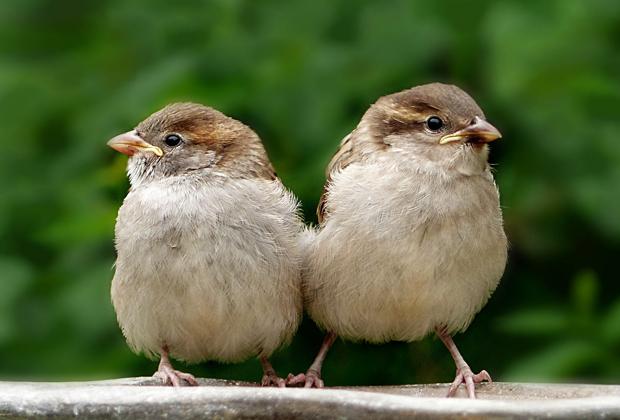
[[403, 251], [209, 268]]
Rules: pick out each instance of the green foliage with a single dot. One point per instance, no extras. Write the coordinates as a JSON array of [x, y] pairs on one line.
[[73, 74], [579, 337]]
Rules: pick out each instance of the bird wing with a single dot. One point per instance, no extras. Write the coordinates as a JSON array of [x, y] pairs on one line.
[[341, 159], [265, 171]]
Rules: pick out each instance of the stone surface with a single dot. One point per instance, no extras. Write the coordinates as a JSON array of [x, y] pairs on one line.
[[141, 398]]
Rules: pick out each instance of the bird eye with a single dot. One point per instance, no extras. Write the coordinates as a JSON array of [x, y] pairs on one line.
[[434, 123], [172, 140]]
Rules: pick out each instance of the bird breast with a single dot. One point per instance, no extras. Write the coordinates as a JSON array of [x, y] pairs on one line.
[[403, 251], [209, 268]]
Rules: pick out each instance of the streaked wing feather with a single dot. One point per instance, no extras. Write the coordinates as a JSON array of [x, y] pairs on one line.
[[267, 172], [341, 159]]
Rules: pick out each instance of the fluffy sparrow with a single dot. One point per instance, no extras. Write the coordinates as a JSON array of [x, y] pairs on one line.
[[208, 260], [411, 238]]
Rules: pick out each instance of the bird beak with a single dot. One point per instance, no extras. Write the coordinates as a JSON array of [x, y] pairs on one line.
[[130, 142], [479, 131]]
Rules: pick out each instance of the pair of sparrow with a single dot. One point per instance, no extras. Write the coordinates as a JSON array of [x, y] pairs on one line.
[[214, 262]]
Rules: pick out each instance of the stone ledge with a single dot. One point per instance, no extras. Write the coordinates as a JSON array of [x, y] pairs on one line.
[[138, 398]]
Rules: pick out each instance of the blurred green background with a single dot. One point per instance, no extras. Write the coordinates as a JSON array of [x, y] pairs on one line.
[[301, 73]]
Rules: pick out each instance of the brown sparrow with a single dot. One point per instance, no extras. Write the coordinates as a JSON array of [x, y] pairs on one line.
[[208, 260], [411, 238]]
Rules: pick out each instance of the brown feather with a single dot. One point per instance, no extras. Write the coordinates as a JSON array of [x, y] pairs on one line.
[[396, 114], [341, 159], [353, 148], [239, 150]]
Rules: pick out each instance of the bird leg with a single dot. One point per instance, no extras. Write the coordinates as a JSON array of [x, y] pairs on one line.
[[312, 378], [464, 373], [169, 375], [270, 377]]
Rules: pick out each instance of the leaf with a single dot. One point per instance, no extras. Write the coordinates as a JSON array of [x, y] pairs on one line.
[[585, 292], [16, 277], [560, 360], [610, 325], [539, 321]]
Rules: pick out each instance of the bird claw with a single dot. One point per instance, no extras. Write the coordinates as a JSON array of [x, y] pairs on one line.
[[466, 376], [271, 379], [312, 379], [295, 380], [173, 377]]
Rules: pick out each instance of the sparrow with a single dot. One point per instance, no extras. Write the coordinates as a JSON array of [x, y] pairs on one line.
[[208, 265], [410, 237]]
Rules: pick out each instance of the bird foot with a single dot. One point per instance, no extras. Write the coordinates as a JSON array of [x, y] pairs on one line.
[[464, 375], [173, 377], [295, 380], [311, 379], [271, 379]]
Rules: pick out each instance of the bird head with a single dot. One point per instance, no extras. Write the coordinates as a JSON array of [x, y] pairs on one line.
[[433, 123], [188, 138]]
